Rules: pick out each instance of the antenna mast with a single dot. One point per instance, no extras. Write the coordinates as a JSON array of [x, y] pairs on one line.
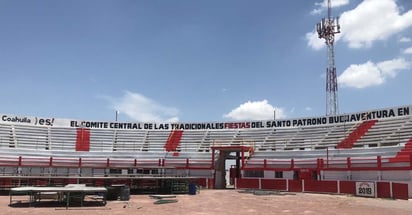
[[327, 29]]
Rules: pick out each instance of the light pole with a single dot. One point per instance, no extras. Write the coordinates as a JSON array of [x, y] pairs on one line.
[[115, 133]]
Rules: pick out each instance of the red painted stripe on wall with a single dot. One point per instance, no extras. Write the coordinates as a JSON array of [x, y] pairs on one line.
[[83, 139]]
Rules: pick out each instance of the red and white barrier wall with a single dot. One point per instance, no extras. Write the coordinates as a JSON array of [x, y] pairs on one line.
[[378, 189]]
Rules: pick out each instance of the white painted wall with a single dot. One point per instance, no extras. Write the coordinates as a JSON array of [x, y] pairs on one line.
[[396, 176], [364, 175], [269, 174], [334, 175], [288, 174]]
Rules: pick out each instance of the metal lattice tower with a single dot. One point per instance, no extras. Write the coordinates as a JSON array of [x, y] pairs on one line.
[[327, 29]]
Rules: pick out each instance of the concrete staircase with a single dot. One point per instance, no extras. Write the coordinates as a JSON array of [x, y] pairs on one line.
[[173, 141], [404, 154], [356, 134]]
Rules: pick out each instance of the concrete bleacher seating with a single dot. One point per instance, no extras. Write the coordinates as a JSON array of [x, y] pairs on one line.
[[404, 154], [31, 137], [332, 147], [356, 134], [62, 139], [193, 141], [385, 137], [6, 136], [129, 140]]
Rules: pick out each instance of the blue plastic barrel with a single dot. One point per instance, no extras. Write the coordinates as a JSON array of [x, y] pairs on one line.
[[192, 189]]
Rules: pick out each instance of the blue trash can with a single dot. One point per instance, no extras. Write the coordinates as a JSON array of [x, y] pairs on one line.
[[192, 189]]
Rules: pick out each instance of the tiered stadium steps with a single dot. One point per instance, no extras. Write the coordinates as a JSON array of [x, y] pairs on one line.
[[193, 141], [332, 153], [141, 157], [391, 132], [31, 137], [173, 141], [102, 140], [129, 140], [155, 140], [7, 136], [310, 141], [404, 154], [248, 137], [64, 136], [356, 134]]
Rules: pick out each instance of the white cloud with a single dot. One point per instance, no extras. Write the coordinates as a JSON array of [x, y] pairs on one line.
[[373, 20], [308, 109], [371, 74], [317, 43], [405, 39], [143, 109], [390, 68], [322, 6], [255, 110], [361, 76], [408, 50], [314, 41]]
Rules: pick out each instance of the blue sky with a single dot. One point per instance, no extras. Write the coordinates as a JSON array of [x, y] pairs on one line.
[[189, 61]]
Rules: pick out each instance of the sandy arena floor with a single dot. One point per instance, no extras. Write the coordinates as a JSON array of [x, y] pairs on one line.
[[229, 202]]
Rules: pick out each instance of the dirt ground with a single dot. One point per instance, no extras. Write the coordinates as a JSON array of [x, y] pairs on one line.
[[227, 202]]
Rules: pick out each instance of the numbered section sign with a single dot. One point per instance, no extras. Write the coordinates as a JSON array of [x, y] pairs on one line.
[[365, 189]]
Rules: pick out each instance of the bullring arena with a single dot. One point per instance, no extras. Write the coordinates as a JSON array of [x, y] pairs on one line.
[[282, 166]]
